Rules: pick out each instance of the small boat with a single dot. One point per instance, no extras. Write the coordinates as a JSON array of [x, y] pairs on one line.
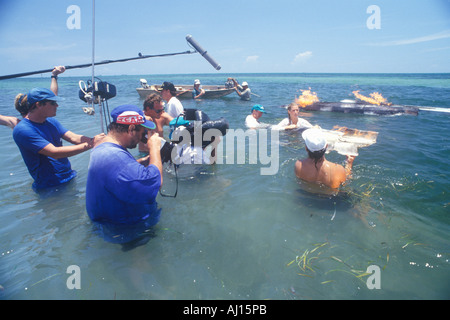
[[185, 91]]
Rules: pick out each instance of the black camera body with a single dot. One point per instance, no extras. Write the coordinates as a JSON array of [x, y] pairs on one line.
[[100, 90], [166, 152], [192, 116]]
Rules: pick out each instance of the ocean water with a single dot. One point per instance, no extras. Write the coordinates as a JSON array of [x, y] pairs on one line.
[[232, 233]]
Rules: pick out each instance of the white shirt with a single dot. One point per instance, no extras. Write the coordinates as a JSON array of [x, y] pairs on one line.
[[251, 122], [174, 107], [301, 123]]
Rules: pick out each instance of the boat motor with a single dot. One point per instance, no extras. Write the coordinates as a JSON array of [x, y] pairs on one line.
[[144, 84]]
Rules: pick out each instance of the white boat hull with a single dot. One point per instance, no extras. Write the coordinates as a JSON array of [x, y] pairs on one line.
[[185, 91]]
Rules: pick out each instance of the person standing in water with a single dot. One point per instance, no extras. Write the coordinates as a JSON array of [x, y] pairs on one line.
[[316, 168], [39, 138], [293, 121], [252, 120], [120, 190], [242, 90], [21, 101], [169, 93], [197, 92], [154, 111]]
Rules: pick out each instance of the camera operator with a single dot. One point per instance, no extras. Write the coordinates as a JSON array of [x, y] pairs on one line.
[[120, 190]]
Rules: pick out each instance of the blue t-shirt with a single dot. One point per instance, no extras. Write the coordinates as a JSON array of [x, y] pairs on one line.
[[120, 190], [195, 92], [31, 137]]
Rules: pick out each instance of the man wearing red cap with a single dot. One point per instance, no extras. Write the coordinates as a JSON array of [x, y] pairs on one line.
[[121, 191]]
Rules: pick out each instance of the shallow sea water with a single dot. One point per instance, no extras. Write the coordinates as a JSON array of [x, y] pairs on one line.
[[232, 233]]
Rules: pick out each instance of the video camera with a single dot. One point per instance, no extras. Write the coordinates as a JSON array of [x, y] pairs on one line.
[[185, 126]]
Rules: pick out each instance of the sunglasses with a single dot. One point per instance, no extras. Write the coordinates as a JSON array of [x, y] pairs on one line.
[[158, 110], [53, 103]]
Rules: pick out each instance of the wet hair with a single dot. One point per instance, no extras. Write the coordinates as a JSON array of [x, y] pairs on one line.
[[289, 108], [316, 155], [21, 104], [151, 99]]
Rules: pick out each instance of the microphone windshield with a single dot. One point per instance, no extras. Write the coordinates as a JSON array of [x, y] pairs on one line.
[[203, 52]]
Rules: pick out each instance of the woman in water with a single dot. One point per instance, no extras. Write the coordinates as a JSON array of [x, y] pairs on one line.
[[293, 121], [21, 101]]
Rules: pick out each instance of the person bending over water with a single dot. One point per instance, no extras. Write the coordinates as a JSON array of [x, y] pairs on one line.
[[119, 189]]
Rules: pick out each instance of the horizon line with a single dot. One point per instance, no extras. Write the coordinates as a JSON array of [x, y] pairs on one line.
[[235, 73]]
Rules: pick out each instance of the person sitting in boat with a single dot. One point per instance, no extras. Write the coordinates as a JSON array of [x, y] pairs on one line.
[[252, 120], [242, 90], [154, 111], [174, 107], [293, 121], [198, 92], [316, 168]]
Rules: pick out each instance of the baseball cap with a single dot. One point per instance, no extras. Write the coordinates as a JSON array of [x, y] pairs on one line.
[[39, 94], [131, 114], [259, 107], [244, 84], [196, 81], [314, 139]]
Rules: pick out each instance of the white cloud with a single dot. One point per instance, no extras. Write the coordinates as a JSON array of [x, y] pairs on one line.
[[441, 35], [36, 48], [302, 56], [252, 58]]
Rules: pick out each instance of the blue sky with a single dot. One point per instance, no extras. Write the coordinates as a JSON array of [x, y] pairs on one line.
[[259, 36]]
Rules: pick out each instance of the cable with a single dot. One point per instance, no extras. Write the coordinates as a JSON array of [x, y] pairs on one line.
[[176, 189]]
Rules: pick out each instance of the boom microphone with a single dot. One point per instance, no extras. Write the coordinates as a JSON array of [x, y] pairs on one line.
[[204, 53]]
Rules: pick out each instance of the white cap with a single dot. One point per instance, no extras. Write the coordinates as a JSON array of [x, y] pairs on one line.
[[196, 81], [314, 139], [244, 83]]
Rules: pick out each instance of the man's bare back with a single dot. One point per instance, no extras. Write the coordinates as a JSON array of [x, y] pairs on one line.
[[315, 168], [325, 172]]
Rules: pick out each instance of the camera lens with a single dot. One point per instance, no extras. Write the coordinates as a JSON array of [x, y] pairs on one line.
[[166, 152]]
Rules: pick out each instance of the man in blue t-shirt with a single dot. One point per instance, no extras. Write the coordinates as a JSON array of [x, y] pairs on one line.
[[38, 137], [121, 190]]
